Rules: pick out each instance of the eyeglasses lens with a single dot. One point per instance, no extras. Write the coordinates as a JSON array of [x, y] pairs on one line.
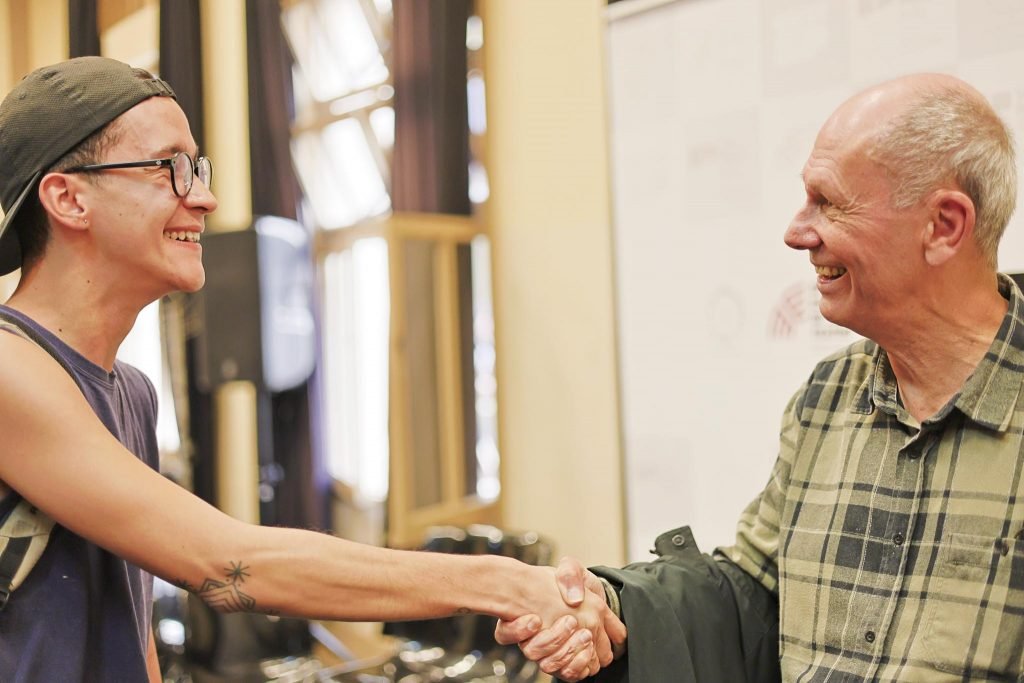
[[181, 170], [204, 169]]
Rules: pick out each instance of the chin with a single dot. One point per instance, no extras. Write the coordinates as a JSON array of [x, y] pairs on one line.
[[192, 282], [194, 286], [833, 314], [847, 320]]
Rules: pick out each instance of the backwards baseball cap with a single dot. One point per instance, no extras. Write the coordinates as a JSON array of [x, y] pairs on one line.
[[47, 115]]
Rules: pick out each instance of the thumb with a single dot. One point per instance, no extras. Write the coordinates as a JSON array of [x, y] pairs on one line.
[[518, 630], [570, 576]]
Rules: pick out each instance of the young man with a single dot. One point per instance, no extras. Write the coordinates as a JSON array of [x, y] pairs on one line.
[[105, 196], [891, 532]]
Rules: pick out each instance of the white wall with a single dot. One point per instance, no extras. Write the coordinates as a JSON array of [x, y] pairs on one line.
[[550, 219], [714, 107]]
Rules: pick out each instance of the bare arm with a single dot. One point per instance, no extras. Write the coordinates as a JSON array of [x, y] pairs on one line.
[[152, 663], [60, 457]]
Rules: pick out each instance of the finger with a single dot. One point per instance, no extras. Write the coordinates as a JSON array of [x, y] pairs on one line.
[[570, 576], [581, 641], [550, 640], [602, 647], [518, 630], [593, 584], [614, 627], [593, 667], [579, 666]]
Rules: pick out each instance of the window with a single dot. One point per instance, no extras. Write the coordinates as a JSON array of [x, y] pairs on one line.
[[356, 328], [408, 333], [343, 96]]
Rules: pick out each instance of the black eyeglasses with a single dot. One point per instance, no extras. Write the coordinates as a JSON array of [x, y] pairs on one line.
[[183, 170]]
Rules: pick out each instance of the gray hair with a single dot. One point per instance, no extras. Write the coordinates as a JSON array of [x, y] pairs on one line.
[[952, 134]]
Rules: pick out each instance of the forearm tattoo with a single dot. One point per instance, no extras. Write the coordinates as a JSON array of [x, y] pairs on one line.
[[224, 596]]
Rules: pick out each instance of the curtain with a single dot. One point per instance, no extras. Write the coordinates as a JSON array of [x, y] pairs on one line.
[[431, 174], [302, 492], [181, 65], [83, 28], [271, 111], [181, 59], [431, 155]]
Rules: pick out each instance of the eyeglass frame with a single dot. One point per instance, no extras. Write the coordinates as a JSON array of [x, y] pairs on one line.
[[166, 162]]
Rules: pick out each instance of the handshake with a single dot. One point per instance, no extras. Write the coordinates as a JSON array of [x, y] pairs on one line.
[[573, 633]]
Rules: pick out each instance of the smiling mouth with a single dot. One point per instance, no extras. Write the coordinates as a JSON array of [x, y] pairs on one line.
[[830, 272], [183, 236]]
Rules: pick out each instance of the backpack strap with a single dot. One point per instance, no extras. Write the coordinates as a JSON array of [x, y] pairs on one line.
[[24, 529], [24, 534]]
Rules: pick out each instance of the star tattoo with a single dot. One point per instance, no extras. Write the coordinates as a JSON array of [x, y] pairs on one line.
[[236, 573]]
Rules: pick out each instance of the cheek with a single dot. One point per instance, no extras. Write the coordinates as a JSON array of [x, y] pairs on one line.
[[135, 218]]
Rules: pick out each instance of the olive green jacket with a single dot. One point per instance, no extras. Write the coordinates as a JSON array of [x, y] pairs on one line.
[[693, 618]]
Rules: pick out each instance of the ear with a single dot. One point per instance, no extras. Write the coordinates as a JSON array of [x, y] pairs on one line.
[[951, 226], [61, 197]]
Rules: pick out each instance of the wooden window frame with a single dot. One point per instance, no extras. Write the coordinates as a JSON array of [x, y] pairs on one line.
[[408, 524]]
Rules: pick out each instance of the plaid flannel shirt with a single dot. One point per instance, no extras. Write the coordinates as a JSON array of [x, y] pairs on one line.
[[897, 547]]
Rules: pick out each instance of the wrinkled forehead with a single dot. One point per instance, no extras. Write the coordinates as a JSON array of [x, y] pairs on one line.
[[838, 145]]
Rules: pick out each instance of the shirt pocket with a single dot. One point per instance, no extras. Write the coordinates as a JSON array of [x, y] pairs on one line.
[[973, 614]]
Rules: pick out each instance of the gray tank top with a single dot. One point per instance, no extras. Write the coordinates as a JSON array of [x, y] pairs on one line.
[[84, 614]]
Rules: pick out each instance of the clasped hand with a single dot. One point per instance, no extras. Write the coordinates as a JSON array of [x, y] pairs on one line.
[[572, 637]]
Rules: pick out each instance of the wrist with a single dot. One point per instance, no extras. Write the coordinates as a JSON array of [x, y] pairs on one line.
[[513, 588], [611, 597]]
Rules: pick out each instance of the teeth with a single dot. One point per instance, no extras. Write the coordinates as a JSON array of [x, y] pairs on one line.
[[829, 271], [183, 236]]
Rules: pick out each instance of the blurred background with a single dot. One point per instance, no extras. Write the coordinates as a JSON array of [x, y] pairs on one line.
[[491, 275]]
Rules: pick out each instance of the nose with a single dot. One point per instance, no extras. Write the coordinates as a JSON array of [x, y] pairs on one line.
[[201, 197], [801, 234]]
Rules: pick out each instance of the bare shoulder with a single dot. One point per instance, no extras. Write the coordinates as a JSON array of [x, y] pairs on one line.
[[46, 422], [30, 376]]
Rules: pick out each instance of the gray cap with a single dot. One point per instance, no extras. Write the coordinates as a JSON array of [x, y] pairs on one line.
[[47, 115]]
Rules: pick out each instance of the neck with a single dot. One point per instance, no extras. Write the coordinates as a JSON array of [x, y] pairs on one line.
[[937, 346], [82, 311]]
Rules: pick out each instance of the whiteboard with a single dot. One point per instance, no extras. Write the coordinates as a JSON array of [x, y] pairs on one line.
[[714, 105]]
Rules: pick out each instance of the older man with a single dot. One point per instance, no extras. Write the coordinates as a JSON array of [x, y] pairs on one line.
[[891, 531], [106, 197]]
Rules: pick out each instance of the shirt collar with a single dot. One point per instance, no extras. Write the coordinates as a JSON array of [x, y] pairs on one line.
[[989, 396]]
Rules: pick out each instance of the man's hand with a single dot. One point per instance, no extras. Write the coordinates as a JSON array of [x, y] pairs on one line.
[[569, 649], [560, 648]]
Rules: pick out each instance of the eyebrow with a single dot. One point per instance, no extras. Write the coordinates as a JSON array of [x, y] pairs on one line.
[[809, 185], [814, 185], [171, 150]]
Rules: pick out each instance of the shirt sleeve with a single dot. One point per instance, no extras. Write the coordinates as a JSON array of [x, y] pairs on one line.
[[756, 548]]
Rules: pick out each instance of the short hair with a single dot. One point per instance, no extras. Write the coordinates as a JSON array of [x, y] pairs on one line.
[[953, 134], [32, 223]]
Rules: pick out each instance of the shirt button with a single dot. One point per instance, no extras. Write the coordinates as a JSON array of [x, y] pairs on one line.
[[914, 454], [869, 636], [678, 541], [898, 539]]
